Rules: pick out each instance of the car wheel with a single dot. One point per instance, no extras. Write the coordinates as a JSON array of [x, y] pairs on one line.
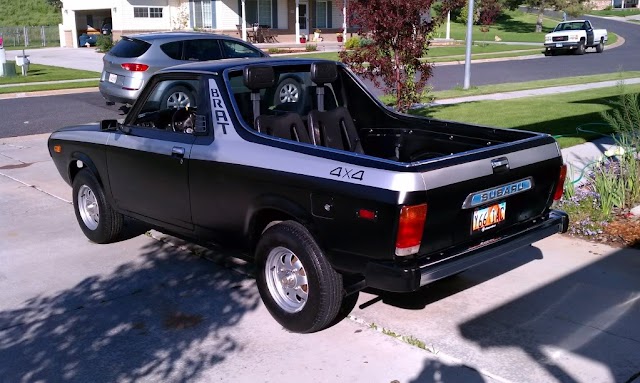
[[296, 282], [580, 49], [177, 97], [600, 47], [98, 220], [289, 90]]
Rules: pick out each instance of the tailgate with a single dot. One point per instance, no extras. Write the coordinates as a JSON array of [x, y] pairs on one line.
[[484, 193]]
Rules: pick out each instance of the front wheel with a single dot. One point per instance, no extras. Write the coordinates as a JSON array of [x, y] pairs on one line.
[[98, 220], [296, 282], [580, 49]]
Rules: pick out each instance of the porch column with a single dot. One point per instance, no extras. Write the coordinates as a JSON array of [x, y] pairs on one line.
[[244, 22], [344, 20], [298, 21]]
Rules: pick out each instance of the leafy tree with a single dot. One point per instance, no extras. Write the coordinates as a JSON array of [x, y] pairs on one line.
[[570, 6], [56, 3], [489, 12], [399, 31]]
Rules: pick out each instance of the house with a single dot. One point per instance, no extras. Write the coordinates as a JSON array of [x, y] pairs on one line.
[[287, 18]]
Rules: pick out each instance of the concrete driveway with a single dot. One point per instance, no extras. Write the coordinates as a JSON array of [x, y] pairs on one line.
[[80, 58], [153, 308]]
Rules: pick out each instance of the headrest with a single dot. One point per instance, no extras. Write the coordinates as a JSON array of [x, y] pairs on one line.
[[258, 77], [324, 72]]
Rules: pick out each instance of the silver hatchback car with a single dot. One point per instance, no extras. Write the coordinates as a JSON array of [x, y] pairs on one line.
[[132, 61]]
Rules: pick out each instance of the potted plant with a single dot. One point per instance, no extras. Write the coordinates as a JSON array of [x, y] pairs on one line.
[[339, 37], [303, 39], [316, 34]]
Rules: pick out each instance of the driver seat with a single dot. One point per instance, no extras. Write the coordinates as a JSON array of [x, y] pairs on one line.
[[288, 126]]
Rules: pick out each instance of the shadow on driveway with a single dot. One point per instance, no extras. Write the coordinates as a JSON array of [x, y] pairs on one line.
[[164, 319]]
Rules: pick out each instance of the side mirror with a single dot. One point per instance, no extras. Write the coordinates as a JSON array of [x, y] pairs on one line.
[[109, 125]]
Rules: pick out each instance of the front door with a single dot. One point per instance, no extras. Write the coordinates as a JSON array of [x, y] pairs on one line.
[[303, 18], [150, 161]]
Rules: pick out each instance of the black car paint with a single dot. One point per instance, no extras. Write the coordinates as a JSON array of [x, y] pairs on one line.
[[230, 204]]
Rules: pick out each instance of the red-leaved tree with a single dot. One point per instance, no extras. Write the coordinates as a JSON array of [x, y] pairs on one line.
[[397, 34]]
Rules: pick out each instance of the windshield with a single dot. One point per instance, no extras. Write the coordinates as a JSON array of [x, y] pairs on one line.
[[572, 26]]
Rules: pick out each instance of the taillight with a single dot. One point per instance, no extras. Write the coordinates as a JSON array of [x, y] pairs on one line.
[[410, 229], [135, 67], [560, 185]]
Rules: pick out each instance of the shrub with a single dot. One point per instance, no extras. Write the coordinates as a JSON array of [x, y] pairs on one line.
[[104, 43], [311, 47], [352, 42], [464, 13], [273, 50]]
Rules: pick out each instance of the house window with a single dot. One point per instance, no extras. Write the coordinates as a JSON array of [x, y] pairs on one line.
[[151, 12], [140, 12], [259, 11], [323, 14], [155, 13], [202, 12]]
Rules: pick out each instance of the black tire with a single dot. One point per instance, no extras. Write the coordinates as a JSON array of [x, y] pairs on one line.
[[106, 225], [323, 287], [600, 47], [177, 97], [580, 49], [288, 90]]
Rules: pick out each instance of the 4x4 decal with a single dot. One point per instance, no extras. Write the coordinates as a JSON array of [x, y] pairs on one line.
[[353, 174]]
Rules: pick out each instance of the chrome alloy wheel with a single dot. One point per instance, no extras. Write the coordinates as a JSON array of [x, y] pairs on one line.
[[286, 279], [88, 207], [289, 93], [178, 100]]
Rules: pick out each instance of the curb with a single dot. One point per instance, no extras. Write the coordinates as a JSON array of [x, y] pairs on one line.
[[43, 93]]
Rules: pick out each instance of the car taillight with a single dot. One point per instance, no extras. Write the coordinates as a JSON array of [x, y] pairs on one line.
[[410, 229], [135, 67], [560, 185]]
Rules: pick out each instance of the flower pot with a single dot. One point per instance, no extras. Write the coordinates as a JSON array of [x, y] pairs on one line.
[[303, 40], [340, 38]]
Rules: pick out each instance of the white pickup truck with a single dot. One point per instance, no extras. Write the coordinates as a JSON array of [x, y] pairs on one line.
[[576, 36]]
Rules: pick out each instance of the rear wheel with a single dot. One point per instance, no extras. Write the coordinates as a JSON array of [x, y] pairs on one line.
[[98, 220], [296, 282], [600, 47]]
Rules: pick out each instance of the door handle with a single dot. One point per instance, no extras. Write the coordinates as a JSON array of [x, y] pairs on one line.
[[177, 151]]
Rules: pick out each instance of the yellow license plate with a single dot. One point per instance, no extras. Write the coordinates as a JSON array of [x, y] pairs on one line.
[[489, 217]]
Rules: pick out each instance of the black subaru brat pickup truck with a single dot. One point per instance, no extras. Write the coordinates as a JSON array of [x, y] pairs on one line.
[[328, 190]]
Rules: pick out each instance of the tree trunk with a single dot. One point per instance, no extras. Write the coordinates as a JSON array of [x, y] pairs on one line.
[[540, 16]]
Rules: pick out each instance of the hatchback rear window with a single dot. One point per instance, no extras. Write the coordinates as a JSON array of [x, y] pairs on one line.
[[128, 47]]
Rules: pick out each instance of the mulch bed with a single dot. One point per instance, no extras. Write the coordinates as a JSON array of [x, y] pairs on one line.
[[623, 231]]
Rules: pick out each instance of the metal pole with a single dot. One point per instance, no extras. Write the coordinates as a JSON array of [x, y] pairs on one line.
[[448, 25], [467, 60], [244, 23], [297, 21], [344, 21]]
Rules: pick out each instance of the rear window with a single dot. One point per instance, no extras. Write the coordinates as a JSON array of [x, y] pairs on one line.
[[128, 47]]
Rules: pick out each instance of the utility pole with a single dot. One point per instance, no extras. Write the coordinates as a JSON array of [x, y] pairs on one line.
[[467, 60]]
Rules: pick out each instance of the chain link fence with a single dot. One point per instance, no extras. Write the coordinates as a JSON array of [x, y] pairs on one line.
[[30, 37]]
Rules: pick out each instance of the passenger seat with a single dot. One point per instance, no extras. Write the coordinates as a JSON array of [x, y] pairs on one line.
[[288, 126], [335, 129]]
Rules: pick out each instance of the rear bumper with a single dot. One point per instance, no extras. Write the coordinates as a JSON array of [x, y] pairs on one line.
[[125, 89], [404, 279]]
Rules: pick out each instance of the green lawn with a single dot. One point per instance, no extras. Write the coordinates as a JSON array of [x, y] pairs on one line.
[[558, 115], [39, 73], [512, 26], [616, 12], [514, 86], [34, 88]]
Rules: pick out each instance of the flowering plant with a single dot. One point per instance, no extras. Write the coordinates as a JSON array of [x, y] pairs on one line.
[[317, 30]]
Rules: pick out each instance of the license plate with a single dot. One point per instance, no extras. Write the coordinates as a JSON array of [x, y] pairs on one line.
[[489, 217], [558, 45], [113, 77]]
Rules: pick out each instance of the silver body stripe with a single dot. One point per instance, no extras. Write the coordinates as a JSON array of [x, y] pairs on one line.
[[150, 145], [93, 137], [482, 168]]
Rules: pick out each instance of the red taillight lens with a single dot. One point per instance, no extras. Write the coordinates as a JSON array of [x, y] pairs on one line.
[[410, 229], [560, 185], [135, 67]]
